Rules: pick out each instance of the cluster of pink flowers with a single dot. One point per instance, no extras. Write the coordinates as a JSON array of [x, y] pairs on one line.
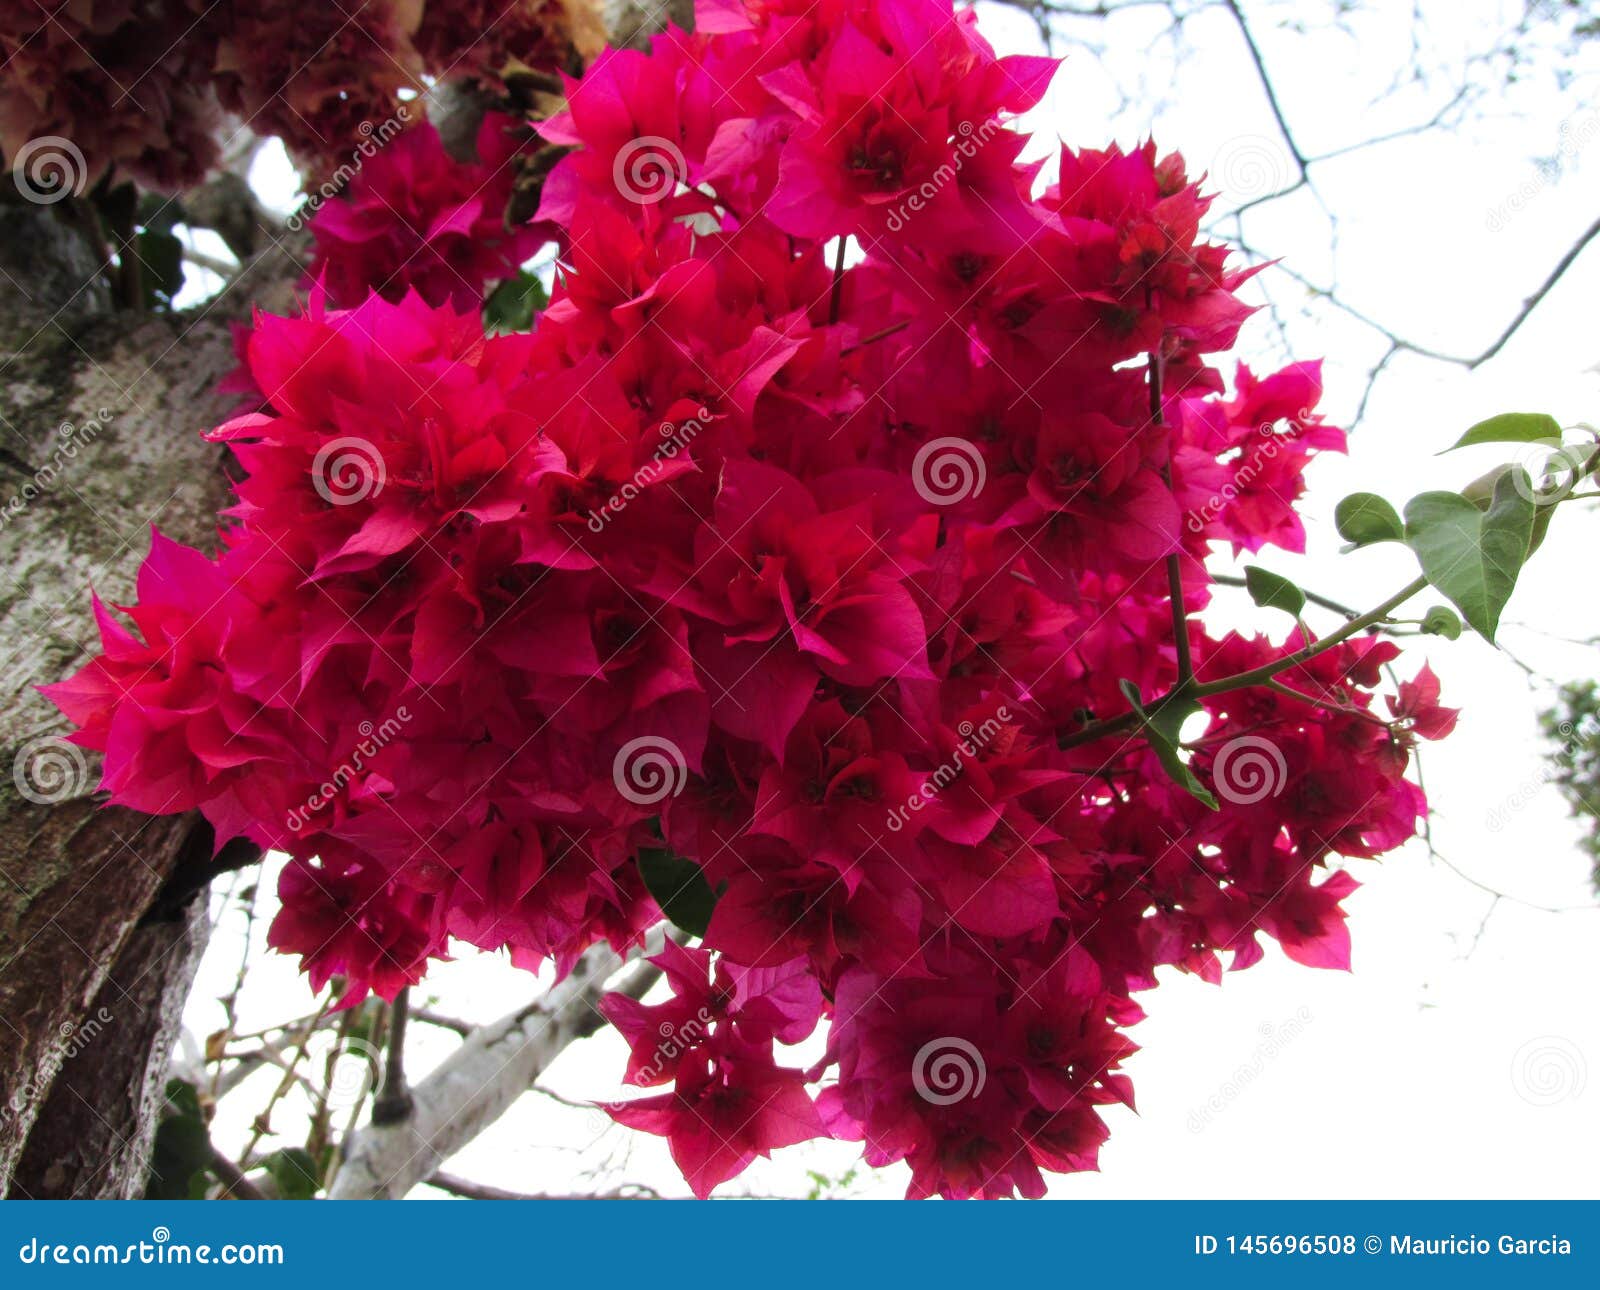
[[416, 219], [819, 517], [139, 87], [112, 77]]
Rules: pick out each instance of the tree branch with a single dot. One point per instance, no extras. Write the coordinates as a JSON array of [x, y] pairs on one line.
[[235, 1186], [471, 1190], [478, 1083]]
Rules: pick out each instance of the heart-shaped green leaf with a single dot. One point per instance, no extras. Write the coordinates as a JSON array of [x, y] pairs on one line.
[[1474, 556]]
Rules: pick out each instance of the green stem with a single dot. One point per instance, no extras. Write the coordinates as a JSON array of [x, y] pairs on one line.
[[1268, 670], [1096, 730]]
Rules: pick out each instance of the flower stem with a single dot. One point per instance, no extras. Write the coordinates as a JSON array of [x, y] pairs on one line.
[[1243, 680]]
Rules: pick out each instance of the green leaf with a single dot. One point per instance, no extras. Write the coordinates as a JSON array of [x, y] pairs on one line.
[[512, 305], [1168, 719], [1160, 732], [181, 1158], [183, 1100], [1274, 591], [1474, 556], [1511, 427], [1365, 518], [1442, 621], [159, 212], [160, 266], [679, 888], [295, 1172]]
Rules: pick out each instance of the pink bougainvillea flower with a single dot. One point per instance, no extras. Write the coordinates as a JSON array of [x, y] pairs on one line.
[[413, 218]]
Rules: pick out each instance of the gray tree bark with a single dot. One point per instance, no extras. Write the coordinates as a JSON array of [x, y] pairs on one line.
[[100, 420]]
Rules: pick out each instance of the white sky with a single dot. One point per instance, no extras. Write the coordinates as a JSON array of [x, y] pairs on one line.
[[1447, 1064]]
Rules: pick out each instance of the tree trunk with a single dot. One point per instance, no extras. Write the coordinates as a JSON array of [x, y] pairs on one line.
[[100, 415], [94, 1132]]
